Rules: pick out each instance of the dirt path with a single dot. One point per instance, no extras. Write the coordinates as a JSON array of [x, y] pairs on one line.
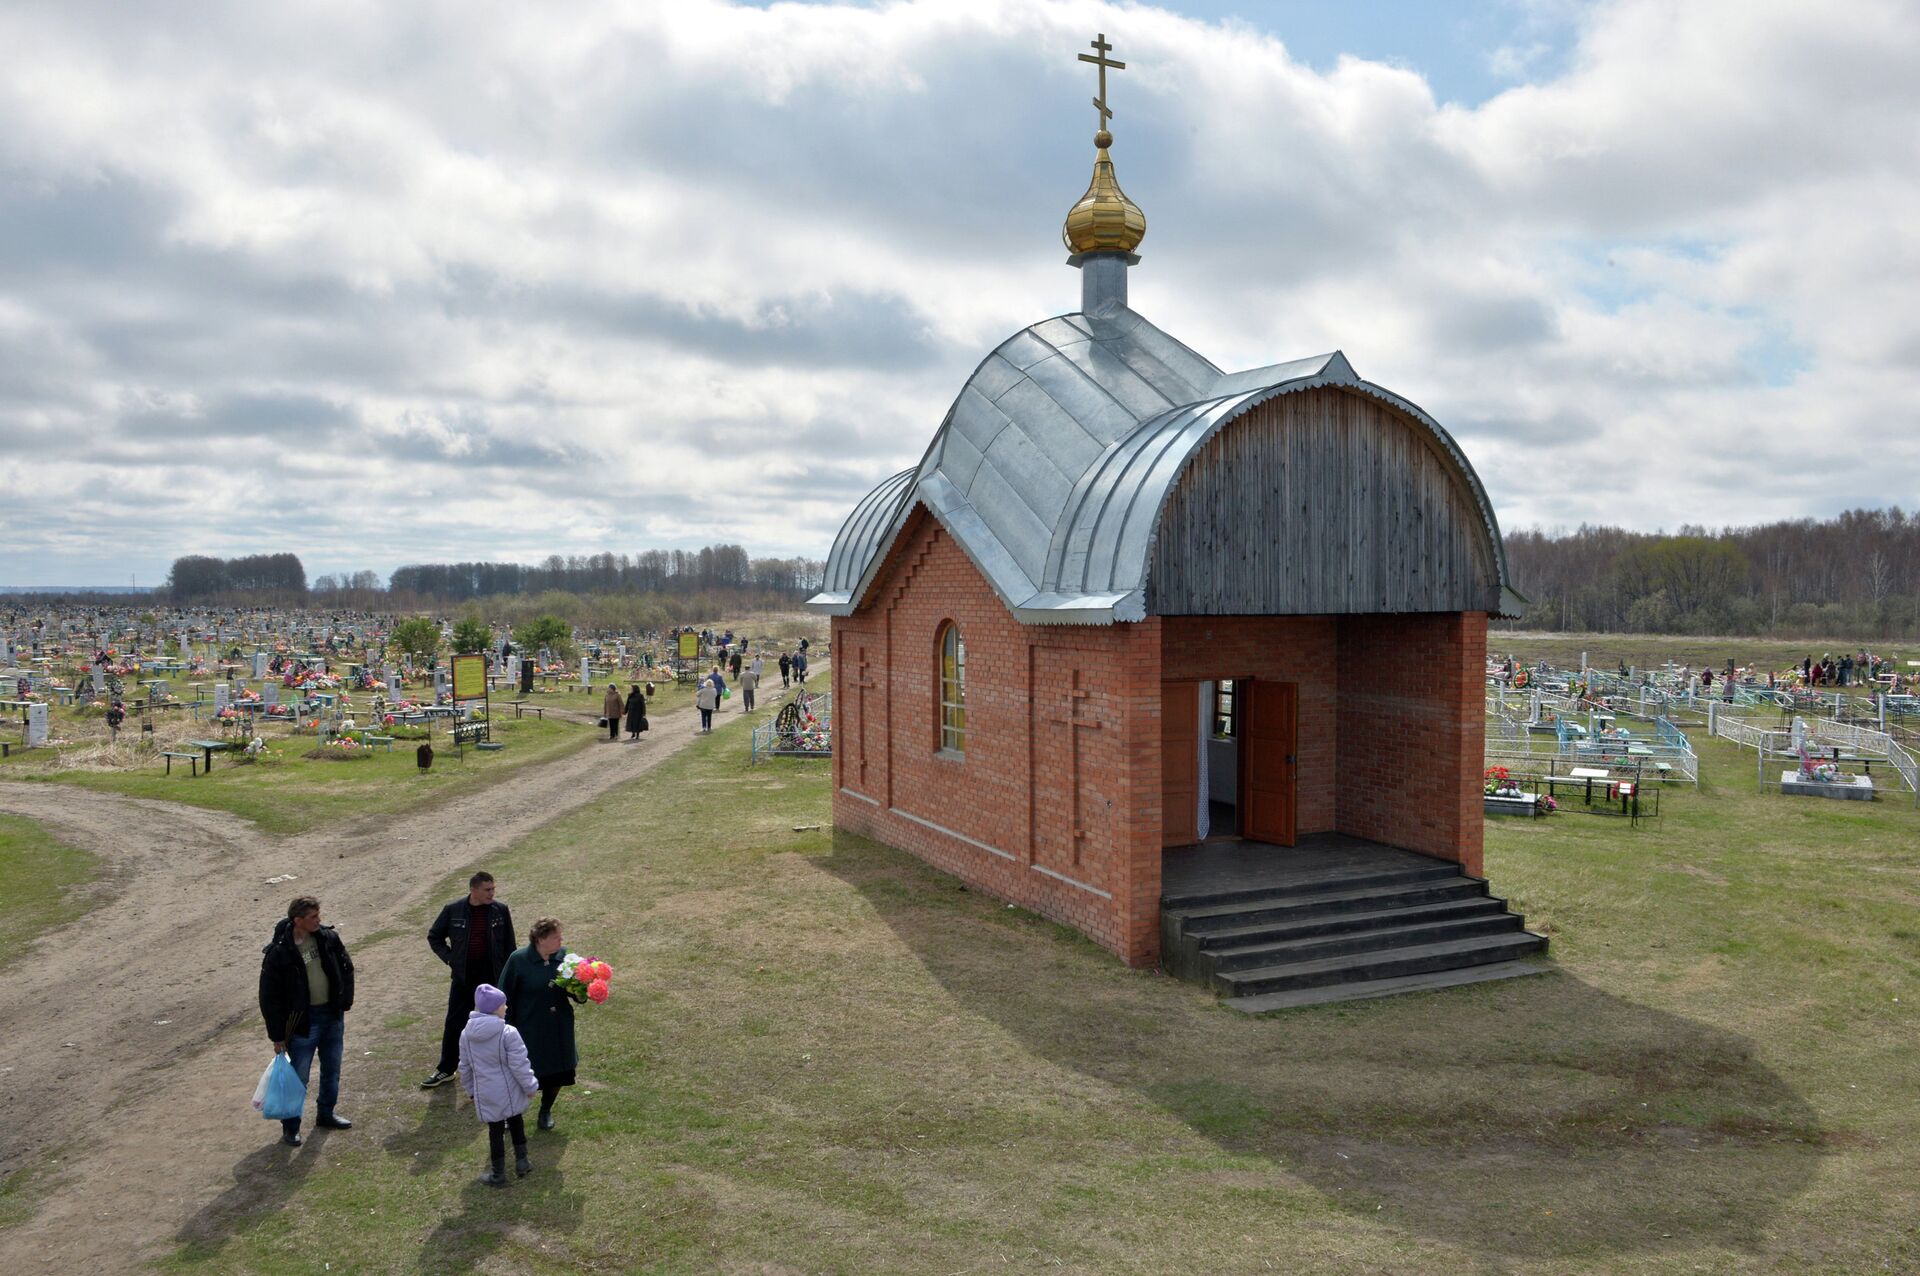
[[104, 1026]]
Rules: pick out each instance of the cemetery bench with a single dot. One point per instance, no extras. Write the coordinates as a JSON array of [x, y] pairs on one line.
[[1590, 774], [384, 741], [209, 748], [191, 759], [537, 710]]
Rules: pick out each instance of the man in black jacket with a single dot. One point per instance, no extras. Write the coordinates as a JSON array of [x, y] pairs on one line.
[[306, 989], [474, 936]]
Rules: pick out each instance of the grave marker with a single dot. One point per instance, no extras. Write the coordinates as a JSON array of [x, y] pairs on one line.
[[220, 696], [586, 674], [36, 726], [269, 693], [259, 664]]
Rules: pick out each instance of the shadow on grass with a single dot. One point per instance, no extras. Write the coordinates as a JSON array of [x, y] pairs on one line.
[[441, 1129], [1527, 1119], [540, 1202], [262, 1181]]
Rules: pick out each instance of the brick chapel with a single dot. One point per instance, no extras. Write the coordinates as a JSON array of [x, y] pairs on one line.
[[1128, 605]]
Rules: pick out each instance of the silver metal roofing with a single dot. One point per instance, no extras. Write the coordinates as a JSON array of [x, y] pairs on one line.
[[1054, 463]]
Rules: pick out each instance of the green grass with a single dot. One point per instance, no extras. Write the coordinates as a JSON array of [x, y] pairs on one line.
[[287, 791], [1606, 651], [823, 1056], [42, 884]]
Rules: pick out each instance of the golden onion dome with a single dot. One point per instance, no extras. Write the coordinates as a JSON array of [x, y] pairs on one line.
[[1105, 220]]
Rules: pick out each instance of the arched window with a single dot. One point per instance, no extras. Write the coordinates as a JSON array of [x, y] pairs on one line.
[[953, 689]]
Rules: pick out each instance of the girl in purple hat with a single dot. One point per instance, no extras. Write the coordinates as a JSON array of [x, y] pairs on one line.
[[495, 1071]]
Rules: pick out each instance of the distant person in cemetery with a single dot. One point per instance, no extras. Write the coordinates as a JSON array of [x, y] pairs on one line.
[[786, 670], [473, 936], [636, 713], [1806, 671], [306, 990], [706, 699], [116, 714], [749, 683], [611, 707], [542, 1012], [735, 662], [495, 1072], [800, 666]]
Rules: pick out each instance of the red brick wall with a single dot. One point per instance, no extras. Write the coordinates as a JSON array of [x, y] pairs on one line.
[[1390, 735], [1004, 817], [1411, 735]]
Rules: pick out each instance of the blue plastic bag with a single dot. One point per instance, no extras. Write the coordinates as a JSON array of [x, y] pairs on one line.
[[286, 1096]]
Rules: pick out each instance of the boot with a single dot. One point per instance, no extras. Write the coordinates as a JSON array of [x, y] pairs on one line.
[[546, 1116], [521, 1165], [496, 1175]]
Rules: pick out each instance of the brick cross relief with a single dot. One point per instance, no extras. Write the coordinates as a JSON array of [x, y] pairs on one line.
[[1076, 696], [863, 683]]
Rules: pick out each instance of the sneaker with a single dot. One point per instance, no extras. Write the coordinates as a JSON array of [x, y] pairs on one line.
[[438, 1078]]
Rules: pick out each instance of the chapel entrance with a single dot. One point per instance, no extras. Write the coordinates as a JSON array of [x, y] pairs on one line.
[[1228, 761]]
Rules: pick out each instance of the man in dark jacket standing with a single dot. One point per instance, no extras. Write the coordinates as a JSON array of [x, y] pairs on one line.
[[306, 989], [474, 936]]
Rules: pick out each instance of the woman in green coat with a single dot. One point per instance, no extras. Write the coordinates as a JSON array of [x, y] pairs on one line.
[[542, 1012]]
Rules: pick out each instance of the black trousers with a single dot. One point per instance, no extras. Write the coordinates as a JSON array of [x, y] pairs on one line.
[[496, 1136], [459, 1005], [613, 727], [746, 699]]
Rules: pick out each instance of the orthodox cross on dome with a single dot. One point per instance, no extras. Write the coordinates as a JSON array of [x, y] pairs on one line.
[[1099, 58]]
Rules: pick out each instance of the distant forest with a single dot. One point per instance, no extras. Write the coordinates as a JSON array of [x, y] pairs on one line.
[[649, 589], [1855, 576]]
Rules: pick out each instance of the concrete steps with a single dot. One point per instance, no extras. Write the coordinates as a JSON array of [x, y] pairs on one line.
[[1349, 935]]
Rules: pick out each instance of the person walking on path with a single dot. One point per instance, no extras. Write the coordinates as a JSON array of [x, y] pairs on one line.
[[786, 670], [611, 707], [306, 990], [636, 713], [473, 936], [800, 667], [542, 1012], [707, 699], [735, 663], [749, 683], [495, 1073]]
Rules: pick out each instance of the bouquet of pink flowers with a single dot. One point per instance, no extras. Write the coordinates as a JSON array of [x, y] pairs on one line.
[[584, 977]]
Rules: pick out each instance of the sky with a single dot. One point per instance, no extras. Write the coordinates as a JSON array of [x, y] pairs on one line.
[[392, 281]]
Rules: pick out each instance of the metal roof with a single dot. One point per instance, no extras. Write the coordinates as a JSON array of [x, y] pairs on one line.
[[1055, 461]]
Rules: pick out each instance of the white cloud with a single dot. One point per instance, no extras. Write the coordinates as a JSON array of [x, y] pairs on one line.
[[490, 283]]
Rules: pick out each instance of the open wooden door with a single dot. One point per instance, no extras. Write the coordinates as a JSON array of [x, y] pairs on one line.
[[1269, 728], [1179, 763]]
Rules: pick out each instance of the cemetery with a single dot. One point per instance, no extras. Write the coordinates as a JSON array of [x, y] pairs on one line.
[[1182, 843]]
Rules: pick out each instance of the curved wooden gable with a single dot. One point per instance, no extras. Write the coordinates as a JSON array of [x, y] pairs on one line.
[[1327, 501]]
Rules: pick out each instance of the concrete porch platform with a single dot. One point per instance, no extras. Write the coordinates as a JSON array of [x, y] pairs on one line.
[[1223, 869]]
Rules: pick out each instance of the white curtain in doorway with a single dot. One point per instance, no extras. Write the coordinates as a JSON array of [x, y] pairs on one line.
[[1201, 822]]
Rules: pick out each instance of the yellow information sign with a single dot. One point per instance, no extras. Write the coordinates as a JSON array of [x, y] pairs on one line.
[[689, 646], [469, 677]]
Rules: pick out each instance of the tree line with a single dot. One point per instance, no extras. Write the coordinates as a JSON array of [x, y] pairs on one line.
[[1856, 576], [710, 569], [198, 577]]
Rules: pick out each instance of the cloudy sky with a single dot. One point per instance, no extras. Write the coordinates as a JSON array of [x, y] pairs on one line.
[[385, 281]]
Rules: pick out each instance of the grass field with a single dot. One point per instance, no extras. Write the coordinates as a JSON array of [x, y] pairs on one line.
[[824, 1057], [42, 884], [286, 791], [1644, 651]]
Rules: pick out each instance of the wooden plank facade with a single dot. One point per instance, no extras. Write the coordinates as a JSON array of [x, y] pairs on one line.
[[1326, 501]]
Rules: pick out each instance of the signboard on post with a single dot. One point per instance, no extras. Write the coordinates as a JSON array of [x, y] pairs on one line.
[[689, 646], [469, 678]]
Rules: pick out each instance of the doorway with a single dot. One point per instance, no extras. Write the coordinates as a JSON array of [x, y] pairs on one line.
[[1228, 749]]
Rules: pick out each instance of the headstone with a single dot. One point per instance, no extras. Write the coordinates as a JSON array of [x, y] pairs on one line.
[[586, 673], [220, 700], [270, 693], [99, 679], [393, 684], [439, 684], [513, 670], [36, 726], [6, 652], [259, 664]]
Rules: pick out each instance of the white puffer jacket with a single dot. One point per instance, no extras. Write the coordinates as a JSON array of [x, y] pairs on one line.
[[494, 1067]]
